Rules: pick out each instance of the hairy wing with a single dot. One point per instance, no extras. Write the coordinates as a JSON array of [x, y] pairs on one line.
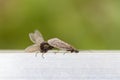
[[36, 37], [32, 38], [33, 48], [57, 43]]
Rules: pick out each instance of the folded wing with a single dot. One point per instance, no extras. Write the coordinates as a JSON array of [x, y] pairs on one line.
[[57, 43]]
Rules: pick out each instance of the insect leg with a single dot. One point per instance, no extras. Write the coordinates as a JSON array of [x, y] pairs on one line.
[[43, 55], [65, 52], [56, 52], [36, 54]]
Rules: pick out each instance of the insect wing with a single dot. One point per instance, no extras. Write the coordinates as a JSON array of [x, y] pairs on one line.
[[32, 38], [57, 43], [33, 48], [38, 37]]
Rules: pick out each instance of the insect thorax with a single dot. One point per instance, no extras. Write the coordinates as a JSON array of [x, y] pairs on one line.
[[44, 46]]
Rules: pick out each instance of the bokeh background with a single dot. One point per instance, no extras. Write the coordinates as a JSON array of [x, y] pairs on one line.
[[86, 24]]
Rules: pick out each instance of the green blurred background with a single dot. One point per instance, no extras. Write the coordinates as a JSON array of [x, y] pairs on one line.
[[86, 24]]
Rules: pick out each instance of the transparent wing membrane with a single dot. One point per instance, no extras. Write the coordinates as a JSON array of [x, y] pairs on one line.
[[32, 38], [38, 37]]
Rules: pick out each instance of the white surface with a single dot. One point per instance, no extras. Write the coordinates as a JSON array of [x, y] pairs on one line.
[[99, 65]]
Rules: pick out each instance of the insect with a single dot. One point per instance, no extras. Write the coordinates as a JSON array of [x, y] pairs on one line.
[[39, 44], [43, 46], [57, 43]]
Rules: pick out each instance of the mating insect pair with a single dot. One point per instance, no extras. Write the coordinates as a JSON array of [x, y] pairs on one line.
[[43, 46]]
